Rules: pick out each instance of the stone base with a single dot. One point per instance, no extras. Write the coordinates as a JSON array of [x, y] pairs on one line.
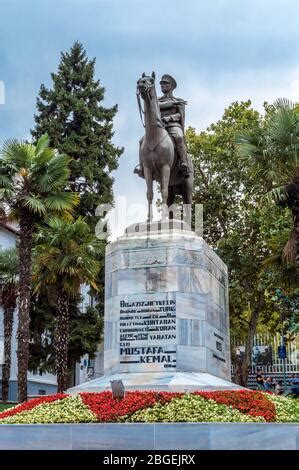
[[171, 382], [166, 303], [152, 437]]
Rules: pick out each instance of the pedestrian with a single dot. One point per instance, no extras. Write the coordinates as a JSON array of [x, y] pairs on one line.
[[260, 380], [267, 384], [279, 388]]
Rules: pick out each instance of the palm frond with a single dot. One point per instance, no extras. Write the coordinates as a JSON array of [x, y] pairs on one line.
[[281, 103], [9, 265], [282, 126], [17, 152], [61, 201], [52, 176], [66, 251], [278, 195], [42, 144], [247, 145], [35, 204], [43, 158], [5, 182]]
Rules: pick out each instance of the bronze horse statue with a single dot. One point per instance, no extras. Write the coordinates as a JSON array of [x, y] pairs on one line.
[[158, 155]]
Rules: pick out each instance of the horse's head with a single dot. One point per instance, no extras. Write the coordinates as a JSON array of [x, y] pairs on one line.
[[146, 85]]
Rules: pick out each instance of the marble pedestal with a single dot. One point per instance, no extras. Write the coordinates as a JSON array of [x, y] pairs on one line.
[[166, 312]]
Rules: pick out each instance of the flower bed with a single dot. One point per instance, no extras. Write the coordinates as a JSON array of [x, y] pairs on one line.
[[150, 406], [191, 408], [287, 409], [29, 405], [249, 402], [107, 409], [70, 409]]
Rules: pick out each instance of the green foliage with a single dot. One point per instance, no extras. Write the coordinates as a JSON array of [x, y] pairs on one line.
[[272, 149], [66, 251], [221, 178], [274, 156], [42, 326], [287, 310], [85, 332], [33, 179], [229, 194], [5, 407], [80, 126], [65, 255], [235, 168], [9, 266]]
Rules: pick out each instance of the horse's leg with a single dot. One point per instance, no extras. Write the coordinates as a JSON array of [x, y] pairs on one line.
[[165, 176], [170, 201], [149, 193], [187, 200]]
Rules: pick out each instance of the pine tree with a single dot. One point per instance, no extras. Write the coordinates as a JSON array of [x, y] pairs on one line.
[[80, 126]]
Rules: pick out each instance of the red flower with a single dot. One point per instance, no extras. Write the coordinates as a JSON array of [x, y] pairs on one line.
[[251, 402], [109, 409], [29, 405]]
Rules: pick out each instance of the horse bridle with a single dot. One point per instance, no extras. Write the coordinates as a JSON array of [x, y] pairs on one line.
[[138, 93], [141, 112]]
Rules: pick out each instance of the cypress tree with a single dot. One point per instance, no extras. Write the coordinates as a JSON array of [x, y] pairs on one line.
[[79, 125], [73, 115]]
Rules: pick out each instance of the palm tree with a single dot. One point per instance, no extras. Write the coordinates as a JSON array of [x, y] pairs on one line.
[[9, 268], [32, 182], [65, 258], [274, 152]]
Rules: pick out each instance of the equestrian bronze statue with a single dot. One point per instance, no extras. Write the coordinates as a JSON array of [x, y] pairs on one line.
[[162, 150]]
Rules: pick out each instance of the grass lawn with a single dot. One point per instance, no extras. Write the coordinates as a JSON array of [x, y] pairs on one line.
[[4, 407]]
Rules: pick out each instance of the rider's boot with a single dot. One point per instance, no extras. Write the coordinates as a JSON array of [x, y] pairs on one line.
[[184, 167]]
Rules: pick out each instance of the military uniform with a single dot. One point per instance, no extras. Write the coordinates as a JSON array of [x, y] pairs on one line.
[[173, 116]]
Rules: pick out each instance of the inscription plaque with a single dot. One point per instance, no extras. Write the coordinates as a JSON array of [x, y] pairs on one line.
[[147, 334]]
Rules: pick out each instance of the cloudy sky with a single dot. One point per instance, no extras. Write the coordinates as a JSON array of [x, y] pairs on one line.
[[219, 51]]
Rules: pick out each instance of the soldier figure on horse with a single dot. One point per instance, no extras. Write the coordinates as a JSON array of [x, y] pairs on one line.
[[173, 117]]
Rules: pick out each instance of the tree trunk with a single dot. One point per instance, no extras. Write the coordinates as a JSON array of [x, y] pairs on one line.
[[293, 196], [26, 228], [238, 375], [71, 367], [8, 324], [296, 229], [246, 363], [62, 339]]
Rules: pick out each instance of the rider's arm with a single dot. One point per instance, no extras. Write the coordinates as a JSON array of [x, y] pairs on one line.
[[181, 109], [165, 103]]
